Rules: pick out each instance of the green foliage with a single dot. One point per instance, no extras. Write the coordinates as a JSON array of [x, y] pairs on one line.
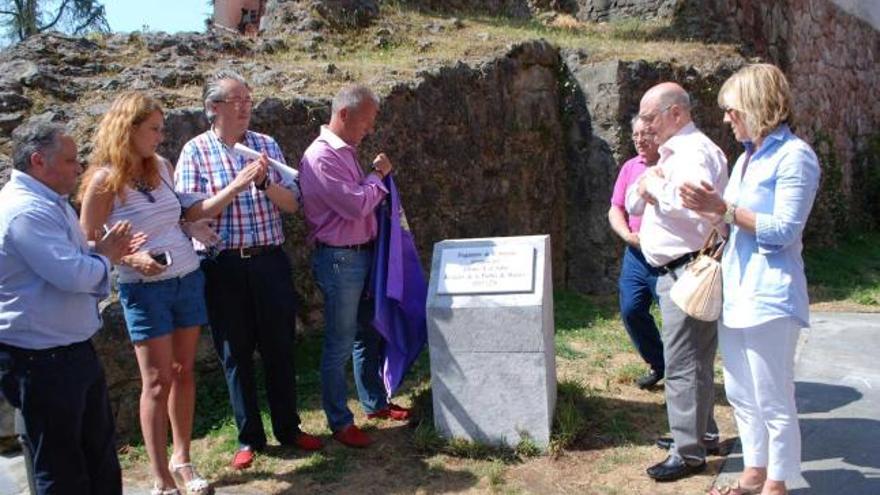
[[570, 420], [25, 18], [527, 447], [848, 272], [426, 439], [830, 218], [866, 181]]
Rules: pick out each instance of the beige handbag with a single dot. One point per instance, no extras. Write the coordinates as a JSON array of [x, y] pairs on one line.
[[698, 289]]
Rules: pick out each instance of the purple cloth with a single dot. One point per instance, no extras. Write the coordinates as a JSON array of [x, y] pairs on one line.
[[629, 174], [400, 291]]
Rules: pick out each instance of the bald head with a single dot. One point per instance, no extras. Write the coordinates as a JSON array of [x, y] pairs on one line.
[[665, 109], [667, 94]]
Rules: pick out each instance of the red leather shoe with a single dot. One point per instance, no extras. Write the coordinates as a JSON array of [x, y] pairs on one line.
[[243, 458], [352, 436], [391, 411], [305, 441]]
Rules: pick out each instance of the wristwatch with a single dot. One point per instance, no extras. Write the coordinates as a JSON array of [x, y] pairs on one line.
[[730, 213], [263, 185]]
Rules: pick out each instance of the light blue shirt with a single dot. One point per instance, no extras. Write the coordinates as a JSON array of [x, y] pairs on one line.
[[50, 282], [763, 273]]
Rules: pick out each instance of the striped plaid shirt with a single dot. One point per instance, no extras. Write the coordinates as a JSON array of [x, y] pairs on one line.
[[206, 166]]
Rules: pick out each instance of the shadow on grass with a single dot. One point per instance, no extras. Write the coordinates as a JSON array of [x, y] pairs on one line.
[[576, 312], [212, 398], [389, 466], [586, 420]]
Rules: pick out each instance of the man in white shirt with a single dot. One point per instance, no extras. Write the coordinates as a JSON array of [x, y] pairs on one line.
[[670, 236]]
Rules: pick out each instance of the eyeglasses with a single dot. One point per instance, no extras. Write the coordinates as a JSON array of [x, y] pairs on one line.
[[727, 109], [642, 136], [651, 116], [239, 103]]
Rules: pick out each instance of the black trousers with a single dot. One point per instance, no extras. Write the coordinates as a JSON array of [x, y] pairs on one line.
[[252, 307], [62, 395]]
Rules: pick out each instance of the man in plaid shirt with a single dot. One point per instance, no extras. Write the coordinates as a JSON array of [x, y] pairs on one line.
[[249, 287]]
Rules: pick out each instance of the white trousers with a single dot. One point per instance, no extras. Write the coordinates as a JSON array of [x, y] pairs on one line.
[[759, 381]]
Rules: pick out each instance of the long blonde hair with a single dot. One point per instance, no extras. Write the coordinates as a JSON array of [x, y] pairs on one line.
[[762, 95], [113, 147]]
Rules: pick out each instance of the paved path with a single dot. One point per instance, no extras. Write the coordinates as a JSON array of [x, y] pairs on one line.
[[838, 394], [837, 375]]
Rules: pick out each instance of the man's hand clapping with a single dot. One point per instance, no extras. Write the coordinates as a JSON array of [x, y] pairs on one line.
[[119, 241]]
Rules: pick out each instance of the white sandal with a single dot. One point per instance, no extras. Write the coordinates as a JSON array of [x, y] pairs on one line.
[[159, 491], [196, 485]]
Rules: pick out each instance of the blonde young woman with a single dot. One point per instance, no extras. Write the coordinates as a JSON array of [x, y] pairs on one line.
[[161, 286], [766, 204]]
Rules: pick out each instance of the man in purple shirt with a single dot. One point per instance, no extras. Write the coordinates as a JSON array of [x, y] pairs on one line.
[[638, 279], [339, 202]]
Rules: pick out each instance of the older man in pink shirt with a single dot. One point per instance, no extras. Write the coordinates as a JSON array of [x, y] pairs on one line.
[[638, 279], [339, 203]]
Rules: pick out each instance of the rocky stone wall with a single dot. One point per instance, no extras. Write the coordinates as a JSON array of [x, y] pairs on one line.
[[606, 10], [832, 59], [508, 8], [601, 100]]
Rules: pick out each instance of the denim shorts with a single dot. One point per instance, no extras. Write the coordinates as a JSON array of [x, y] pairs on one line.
[[154, 309]]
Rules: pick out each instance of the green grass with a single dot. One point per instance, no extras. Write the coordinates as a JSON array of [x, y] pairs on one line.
[[326, 467], [849, 272], [570, 420]]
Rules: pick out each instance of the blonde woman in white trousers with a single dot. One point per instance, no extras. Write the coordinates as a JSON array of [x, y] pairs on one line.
[[765, 205]]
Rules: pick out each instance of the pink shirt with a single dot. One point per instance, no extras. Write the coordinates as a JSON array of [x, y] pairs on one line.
[[339, 201], [629, 173]]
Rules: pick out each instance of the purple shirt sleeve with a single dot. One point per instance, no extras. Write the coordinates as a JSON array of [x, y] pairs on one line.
[[350, 198]]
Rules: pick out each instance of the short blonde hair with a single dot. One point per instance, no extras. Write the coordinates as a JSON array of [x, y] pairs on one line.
[[761, 94], [113, 147]]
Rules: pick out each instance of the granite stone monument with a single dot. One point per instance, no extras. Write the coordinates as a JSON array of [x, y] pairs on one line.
[[490, 336]]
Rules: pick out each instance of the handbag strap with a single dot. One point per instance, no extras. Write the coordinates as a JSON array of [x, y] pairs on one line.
[[712, 247]]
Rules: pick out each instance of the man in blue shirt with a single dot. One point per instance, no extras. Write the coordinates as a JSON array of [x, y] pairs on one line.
[[50, 283]]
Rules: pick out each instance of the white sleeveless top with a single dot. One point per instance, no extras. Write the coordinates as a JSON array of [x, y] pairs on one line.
[[160, 220]]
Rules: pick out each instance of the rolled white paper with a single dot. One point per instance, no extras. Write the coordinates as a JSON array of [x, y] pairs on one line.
[[290, 174]]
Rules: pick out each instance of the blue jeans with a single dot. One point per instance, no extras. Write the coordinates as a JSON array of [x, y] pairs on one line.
[[342, 276], [638, 289]]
